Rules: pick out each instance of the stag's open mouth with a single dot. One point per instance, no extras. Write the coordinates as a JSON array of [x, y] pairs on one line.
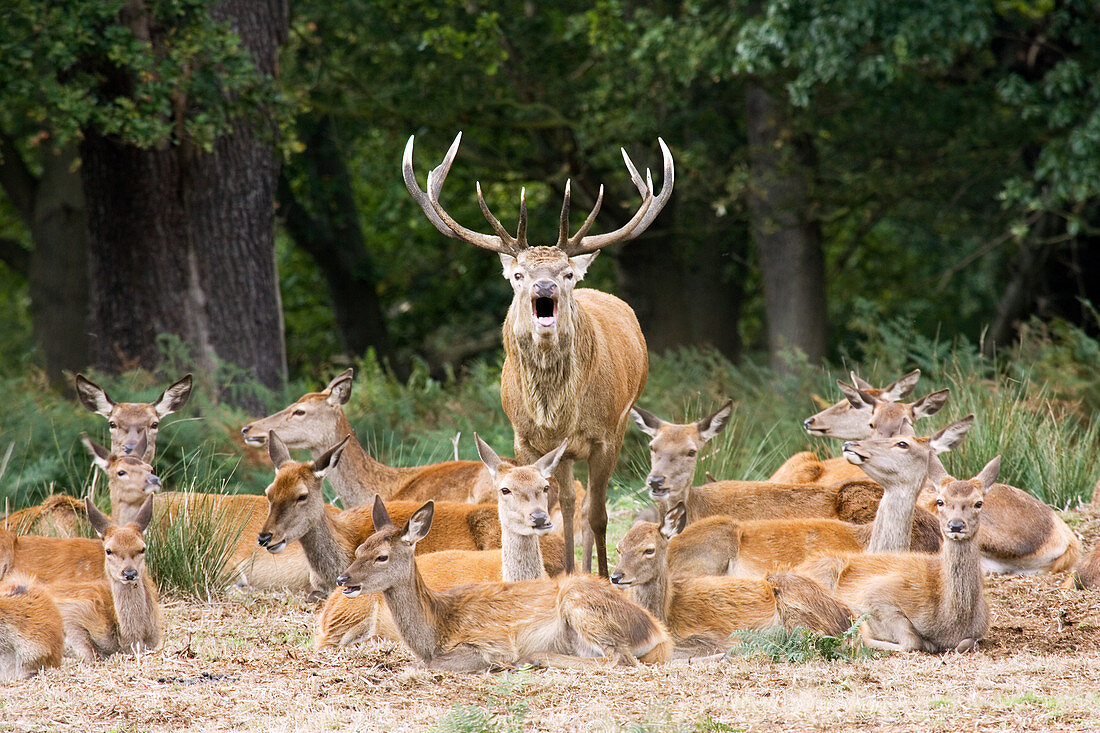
[[545, 312]]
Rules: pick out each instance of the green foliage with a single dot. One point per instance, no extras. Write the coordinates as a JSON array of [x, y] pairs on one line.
[[799, 645], [507, 697]]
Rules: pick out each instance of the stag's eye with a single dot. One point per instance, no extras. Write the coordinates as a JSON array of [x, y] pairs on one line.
[[939, 502], [382, 558], [518, 276], [299, 412], [302, 498], [650, 552]]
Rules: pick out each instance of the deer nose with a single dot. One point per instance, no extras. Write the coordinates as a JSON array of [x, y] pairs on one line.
[[545, 288], [848, 445], [808, 422], [263, 538], [129, 574], [342, 580], [655, 482], [128, 448], [152, 480], [540, 519], [956, 525], [244, 431], [616, 577]]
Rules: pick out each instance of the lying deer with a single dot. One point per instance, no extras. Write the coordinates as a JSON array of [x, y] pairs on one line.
[[528, 550], [920, 602], [316, 422], [476, 626], [329, 536], [130, 480], [31, 636], [1086, 575], [129, 422], [575, 359], [120, 613], [701, 613]]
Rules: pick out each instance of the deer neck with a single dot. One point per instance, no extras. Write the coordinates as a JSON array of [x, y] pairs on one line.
[[654, 596], [357, 477], [892, 529], [137, 614], [962, 580], [549, 373], [328, 548], [521, 557], [414, 608]]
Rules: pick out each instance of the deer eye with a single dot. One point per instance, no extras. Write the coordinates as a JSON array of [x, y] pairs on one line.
[[105, 550], [650, 552], [382, 558], [518, 276], [299, 412], [568, 276], [505, 491], [155, 425], [546, 489], [692, 453], [121, 473], [141, 551], [903, 445], [978, 504], [939, 502], [302, 498], [112, 424]]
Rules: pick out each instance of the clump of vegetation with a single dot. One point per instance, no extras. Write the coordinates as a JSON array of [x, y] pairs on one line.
[[800, 645]]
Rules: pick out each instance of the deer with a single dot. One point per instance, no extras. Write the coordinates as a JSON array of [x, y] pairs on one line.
[[920, 602], [316, 421], [329, 536], [865, 411], [58, 515], [529, 549], [575, 359], [1086, 575], [130, 480], [567, 621], [701, 613], [31, 633], [129, 422], [120, 612]]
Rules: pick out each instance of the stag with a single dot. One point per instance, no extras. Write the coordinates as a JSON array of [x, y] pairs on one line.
[[575, 359]]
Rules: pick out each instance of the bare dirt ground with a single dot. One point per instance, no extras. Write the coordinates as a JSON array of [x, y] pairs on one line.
[[246, 663]]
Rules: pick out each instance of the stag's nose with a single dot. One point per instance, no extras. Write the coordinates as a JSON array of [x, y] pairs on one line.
[[129, 574], [545, 288], [956, 525], [263, 538], [616, 577], [540, 519], [342, 580]]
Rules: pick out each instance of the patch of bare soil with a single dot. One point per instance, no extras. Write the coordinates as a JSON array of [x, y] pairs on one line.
[[246, 663]]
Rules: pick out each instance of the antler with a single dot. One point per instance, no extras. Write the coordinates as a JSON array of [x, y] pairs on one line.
[[429, 202], [647, 212]]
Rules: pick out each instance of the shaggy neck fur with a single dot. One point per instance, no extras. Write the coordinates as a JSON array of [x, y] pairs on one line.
[[328, 556], [547, 370], [415, 613], [137, 613]]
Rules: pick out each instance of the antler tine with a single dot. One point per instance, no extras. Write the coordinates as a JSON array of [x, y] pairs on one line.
[[588, 222], [521, 231], [429, 201], [563, 223], [505, 237], [647, 212]]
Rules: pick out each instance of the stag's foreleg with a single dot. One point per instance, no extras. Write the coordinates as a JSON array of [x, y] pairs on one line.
[[567, 500], [601, 463]]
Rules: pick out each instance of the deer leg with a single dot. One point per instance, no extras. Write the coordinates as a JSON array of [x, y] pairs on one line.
[[463, 658], [567, 500], [601, 462], [888, 628]]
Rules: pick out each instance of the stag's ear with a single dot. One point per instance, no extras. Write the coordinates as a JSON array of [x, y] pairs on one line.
[[901, 388], [339, 389], [580, 264], [174, 397], [937, 474], [488, 456], [93, 397], [930, 404], [988, 475], [713, 424], [328, 460], [949, 437], [418, 525], [674, 522], [100, 455], [646, 421], [857, 398], [277, 450], [100, 522], [549, 462], [379, 515], [144, 515], [509, 263]]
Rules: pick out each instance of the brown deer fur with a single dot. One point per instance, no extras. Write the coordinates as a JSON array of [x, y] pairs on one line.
[[1086, 576], [129, 422], [121, 612], [921, 602], [476, 626], [316, 422], [130, 480], [59, 515], [31, 636], [702, 612]]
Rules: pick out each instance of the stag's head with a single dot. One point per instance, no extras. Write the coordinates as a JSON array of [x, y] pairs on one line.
[[542, 277]]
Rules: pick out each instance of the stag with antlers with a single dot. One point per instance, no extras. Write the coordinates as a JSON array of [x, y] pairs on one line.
[[575, 359]]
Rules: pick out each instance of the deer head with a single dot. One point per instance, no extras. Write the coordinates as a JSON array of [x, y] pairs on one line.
[[315, 415], [959, 502], [131, 422], [850, 418], [674, 449], [123, 546], [542, 277], [523, 492], [385, 559], [296, 502], [643, 550], [128, 477], [902, 456]]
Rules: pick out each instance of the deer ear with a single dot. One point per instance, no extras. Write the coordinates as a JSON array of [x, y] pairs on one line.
[[328, 460], [712, 425], [646, 421], [580, 264], [949, 437], [339, 389], [900, 388], [93, 397], [99, 521], [379, 515], [277, 450], [142, 446], [508, 263], [674, 522], [174, 397], [930, 404], [549, 462], [988, 475], [100, 455], [857, 398], [144, 515], [937, 474], [488, 456], [418, 525], [859, 383]]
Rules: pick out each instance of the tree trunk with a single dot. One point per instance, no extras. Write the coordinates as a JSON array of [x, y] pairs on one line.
[[182, 241], [788, 242], [324, 221]]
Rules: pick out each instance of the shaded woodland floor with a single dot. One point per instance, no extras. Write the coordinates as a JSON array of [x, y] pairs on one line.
[[247, 663]]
